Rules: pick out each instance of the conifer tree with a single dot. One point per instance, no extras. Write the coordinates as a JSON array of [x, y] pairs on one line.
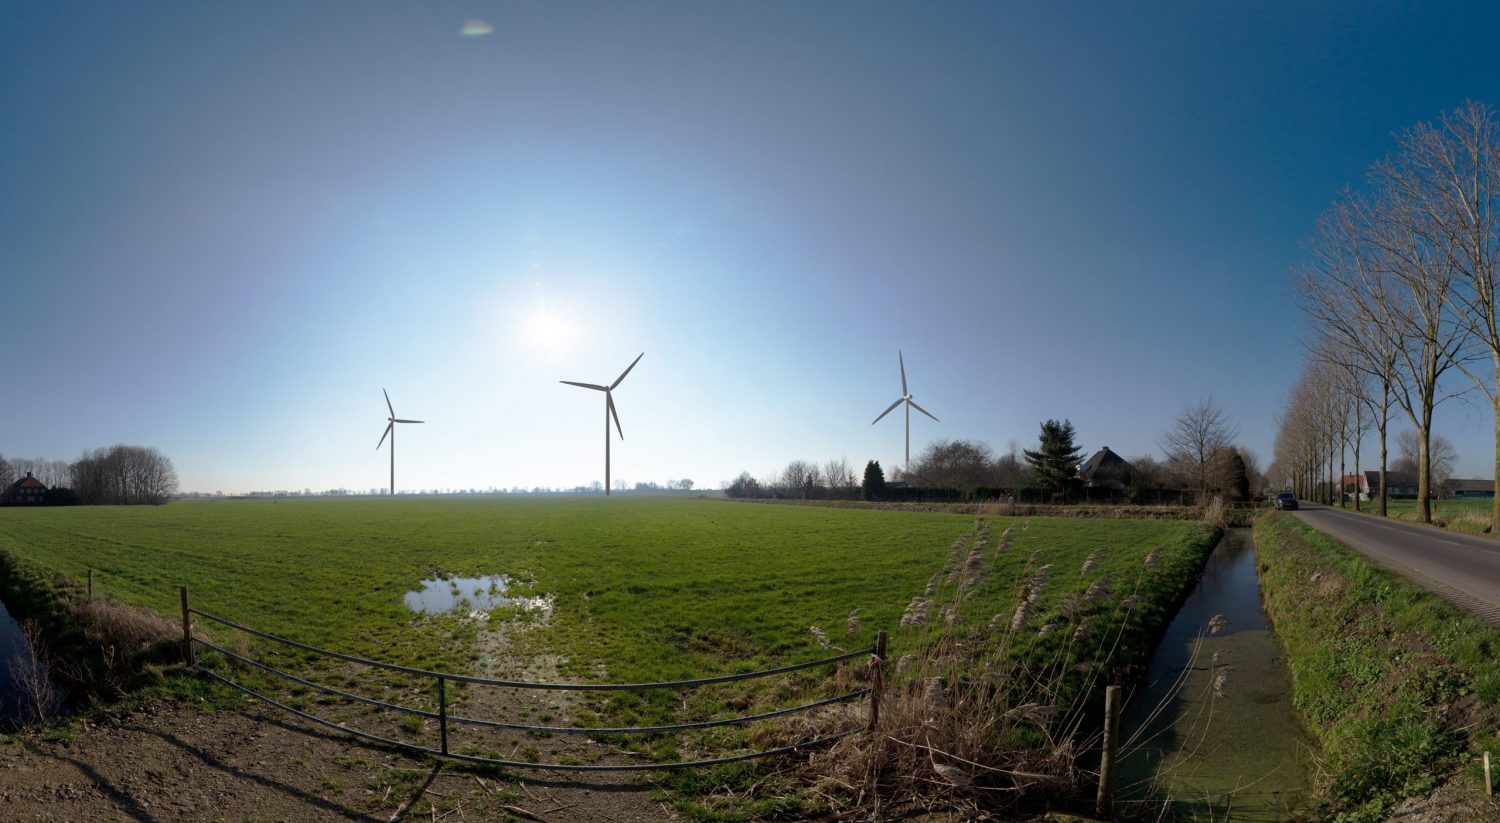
[[1055, 464], [874, 485]]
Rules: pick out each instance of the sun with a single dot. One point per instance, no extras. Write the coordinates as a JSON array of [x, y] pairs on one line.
[[548, 329]]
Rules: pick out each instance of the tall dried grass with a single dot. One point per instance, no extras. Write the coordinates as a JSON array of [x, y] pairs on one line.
[[39, 699], [981, 714]]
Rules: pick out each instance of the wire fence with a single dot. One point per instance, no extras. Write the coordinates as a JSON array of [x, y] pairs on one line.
[[445, 720]]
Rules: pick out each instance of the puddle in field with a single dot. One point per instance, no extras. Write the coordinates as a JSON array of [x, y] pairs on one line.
[[475, 595]]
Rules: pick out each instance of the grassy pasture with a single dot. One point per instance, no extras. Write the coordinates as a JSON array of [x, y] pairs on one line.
[[644, 588]]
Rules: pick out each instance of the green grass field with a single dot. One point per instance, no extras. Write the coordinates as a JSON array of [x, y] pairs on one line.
[[649, 588], [643, 589]]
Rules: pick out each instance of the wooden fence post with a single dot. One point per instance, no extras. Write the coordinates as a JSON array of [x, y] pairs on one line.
[[1489, 783], [187, 631], [443, 712], [1105, 805], [91, 584], [877, 680]]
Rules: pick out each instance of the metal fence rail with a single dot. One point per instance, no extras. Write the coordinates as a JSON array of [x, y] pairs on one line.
[[190, 640]]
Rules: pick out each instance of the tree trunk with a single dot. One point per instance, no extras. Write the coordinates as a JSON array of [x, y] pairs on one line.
[[1385, 416]]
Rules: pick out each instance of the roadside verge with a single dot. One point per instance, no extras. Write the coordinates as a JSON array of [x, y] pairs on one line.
[[1400, 687]]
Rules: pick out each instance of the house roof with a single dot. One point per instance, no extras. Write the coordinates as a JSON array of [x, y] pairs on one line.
[[1466, 485], [1103, 459], [1391, 479], [28, 482]]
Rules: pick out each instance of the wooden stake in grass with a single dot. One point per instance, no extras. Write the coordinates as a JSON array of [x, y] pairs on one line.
[[877, 681], [1489, 783], [91, 584], [187, 631], [1106, 801]]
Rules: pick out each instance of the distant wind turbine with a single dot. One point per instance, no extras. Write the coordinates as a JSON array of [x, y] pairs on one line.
[[390, 429], [910, 404], [609, 410]]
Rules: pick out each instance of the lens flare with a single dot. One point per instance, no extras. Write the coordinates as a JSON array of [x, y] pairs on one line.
[[474, 27]]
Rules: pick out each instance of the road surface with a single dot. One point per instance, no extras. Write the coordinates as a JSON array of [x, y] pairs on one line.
[[1463, 568]]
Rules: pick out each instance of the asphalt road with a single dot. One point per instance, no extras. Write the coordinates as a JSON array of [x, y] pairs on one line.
[[1462, 568]]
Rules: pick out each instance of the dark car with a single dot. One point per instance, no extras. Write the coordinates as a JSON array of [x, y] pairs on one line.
[[1286, 501]]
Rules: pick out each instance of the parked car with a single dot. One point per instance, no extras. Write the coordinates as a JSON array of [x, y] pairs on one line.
[[1286, 501]]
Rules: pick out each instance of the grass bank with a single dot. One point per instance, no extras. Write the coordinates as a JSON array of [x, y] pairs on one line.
[[1469, 515], [1399, 686]]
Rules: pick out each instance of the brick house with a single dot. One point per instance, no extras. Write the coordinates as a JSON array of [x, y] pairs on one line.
[[28, 491]]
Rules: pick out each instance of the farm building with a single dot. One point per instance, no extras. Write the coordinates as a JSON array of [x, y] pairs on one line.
[[28, 491], [1106, 470], [1397, 484], [1468, 488]]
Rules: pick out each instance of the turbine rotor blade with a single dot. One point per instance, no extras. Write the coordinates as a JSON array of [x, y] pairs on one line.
[[887, 411], [627, 371], [922, 410], [593, 386], [900, 359], [388, 402], [387, 431], [399, 420], [610, 402]]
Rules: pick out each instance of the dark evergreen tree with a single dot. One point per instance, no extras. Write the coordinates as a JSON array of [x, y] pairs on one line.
[[1055, 464], [874, 485], [1236, 478]]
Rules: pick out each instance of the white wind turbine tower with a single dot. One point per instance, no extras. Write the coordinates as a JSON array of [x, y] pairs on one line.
[[390, 429], [910, 404], [609, 410]]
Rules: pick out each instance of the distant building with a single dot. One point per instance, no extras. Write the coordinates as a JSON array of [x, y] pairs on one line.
[[1397, 484], [28, 491], [1456, 487], [1106, 470]]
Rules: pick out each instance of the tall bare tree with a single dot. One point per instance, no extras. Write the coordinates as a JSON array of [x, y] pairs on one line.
[[1197, 436], [1449, 173]]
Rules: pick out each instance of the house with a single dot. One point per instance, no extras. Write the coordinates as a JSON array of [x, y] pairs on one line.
[[28, 491], [1397, 484], [1456, 487], [1106, 469]]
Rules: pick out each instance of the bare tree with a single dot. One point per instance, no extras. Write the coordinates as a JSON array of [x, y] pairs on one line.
[[1197, 436], [839, 476], [798, 477], [1010, 468], [955, 464], [1449, 174], [1441, 455]]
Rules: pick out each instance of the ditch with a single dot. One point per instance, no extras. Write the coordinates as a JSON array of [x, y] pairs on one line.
[[1212, 734]]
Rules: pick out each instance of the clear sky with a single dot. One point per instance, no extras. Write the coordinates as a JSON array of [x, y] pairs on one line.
[[225, 227]]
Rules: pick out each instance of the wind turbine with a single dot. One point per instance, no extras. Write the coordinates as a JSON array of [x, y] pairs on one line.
[[390, 429], [609, 410], [910, 404]]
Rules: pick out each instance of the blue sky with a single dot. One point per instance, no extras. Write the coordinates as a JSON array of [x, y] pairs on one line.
[[224, 227]]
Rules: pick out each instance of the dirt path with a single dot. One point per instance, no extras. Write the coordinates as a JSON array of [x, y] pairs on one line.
[[177, 763]]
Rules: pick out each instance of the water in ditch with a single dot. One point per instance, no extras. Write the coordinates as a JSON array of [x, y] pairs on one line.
[[1212, 731], [25, 690]]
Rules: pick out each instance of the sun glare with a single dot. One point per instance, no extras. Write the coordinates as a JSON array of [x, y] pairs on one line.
[[548, 329]]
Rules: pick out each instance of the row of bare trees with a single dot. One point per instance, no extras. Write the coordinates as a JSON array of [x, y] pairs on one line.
[[1401, 293], [116, 475], [801, 480]]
